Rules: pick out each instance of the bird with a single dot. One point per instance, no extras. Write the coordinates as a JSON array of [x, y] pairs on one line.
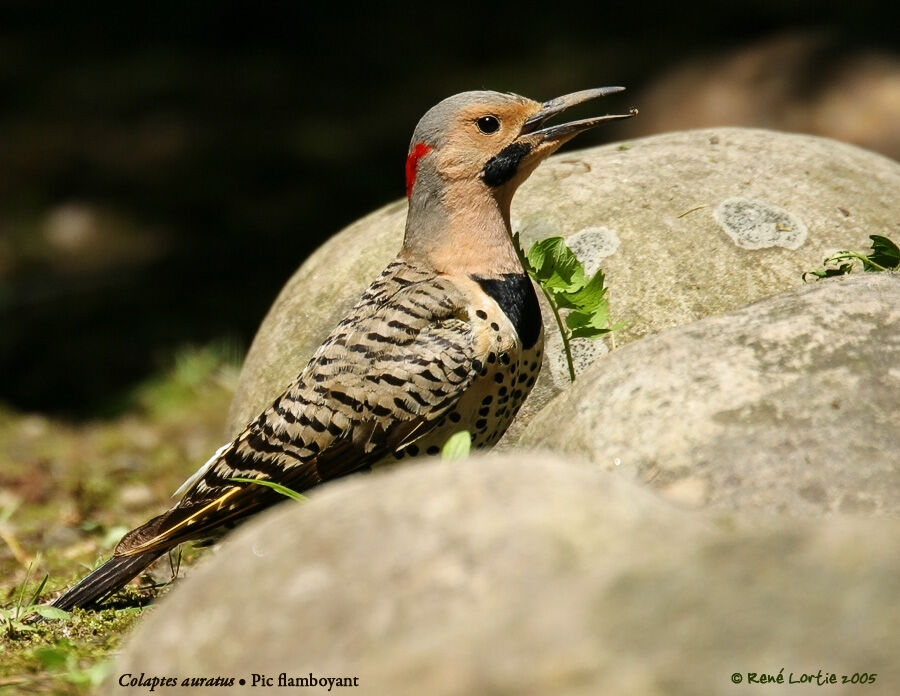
[[448, 338]]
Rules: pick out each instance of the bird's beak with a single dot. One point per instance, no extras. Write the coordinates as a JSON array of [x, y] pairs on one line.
[[534, 132]]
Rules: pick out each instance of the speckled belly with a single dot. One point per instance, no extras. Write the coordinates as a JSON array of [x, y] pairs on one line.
[[490, 404]]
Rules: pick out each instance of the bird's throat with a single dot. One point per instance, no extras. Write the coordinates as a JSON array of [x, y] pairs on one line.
[[462, 230]]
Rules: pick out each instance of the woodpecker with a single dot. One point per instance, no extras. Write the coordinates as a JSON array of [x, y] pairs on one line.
[[447, 338]]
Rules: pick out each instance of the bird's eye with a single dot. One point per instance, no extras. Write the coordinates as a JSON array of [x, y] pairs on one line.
[[488, 124]]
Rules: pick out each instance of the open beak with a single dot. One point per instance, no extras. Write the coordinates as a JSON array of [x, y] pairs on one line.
[[534, 126]]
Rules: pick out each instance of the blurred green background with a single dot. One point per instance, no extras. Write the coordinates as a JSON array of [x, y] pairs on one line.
[[164, 167]]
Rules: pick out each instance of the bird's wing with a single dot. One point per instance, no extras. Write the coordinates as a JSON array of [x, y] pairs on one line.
[[386, 375]]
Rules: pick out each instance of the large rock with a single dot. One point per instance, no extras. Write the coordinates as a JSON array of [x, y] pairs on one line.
[[790, 404], [526, 575], [687, 225]]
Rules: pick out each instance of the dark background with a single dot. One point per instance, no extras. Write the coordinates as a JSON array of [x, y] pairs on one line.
[[164, 167]]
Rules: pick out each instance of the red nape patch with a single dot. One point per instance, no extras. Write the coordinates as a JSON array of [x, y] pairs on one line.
[[412, 163]]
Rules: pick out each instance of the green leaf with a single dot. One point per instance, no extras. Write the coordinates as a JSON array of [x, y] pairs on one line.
[[843, 269], [37, 592], [590, 298], [589, 317], [93, 676], [562, 279], [555, 266], [537, 254], [884, 252], [52, 658], [277, 487], [588, 325], [457, 446], [52, 613]]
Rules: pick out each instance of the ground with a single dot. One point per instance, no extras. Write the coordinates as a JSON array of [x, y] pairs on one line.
[[69, 491]]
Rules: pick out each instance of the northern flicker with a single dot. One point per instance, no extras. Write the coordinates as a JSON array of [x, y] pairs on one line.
[[447, 338]]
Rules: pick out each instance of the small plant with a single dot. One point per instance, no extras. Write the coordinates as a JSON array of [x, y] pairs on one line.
[[566, 285], [191, 373], [62, 662], [885, 256], [277, 487], [457, 446], [14, 619]]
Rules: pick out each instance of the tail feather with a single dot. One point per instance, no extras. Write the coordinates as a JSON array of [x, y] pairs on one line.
[[104, 581]]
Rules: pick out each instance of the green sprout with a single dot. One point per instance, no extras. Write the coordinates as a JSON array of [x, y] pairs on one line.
[[277, 487], [566, 285], [15, 619], [62, 661], [457, 446], [885, 256]]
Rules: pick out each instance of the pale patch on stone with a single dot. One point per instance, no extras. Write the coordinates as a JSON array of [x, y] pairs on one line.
[[584, 352], [310, 580], [556, 357], [689, 492], [592, 244], [755, 224]]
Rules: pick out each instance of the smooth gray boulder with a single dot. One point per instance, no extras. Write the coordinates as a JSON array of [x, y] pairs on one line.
[[791, 404], [526, 575], [687, 225]]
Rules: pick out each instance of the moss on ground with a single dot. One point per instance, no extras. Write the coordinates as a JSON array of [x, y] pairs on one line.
[[68, 492]]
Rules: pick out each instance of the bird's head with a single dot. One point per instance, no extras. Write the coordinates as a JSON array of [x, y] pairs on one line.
[[490, 139]]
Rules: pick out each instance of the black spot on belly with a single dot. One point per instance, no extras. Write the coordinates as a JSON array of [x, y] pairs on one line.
[[515, 295]]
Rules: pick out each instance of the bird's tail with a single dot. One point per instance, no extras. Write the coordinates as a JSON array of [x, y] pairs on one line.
[[108, 578]]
